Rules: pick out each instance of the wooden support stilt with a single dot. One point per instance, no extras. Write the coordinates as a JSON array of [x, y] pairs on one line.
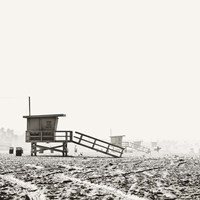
[[65, 151], [33, 149]]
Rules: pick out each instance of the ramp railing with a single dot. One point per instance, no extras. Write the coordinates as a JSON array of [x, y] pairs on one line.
[[136, 147], [97, 144]]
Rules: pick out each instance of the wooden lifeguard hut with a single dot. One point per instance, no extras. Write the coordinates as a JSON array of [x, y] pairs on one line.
[[43, 129], [117, 140]]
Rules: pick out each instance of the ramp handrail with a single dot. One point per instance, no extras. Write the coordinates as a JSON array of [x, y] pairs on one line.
[[136, 147], [97, 144]]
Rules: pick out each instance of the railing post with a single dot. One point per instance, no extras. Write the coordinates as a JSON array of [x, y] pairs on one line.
[[94, 143], [80, 139], [108, 148], [71, 136], [66, 138]]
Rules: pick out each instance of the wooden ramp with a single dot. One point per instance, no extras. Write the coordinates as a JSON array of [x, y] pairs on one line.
[[136, 147], [97, 144]]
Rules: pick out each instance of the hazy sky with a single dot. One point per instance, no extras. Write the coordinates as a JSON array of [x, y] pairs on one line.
[[133, 66]]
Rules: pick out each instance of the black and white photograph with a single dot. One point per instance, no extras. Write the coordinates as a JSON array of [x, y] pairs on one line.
[[99, 100]]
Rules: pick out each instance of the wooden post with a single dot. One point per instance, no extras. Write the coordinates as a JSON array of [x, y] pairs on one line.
[[33, 149], [65, 149], [29, 103]]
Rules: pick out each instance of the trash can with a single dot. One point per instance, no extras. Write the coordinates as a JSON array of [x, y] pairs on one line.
[[11, 150], [19, 151]]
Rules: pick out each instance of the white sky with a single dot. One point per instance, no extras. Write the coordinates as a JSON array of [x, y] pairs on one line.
[[132, 66]]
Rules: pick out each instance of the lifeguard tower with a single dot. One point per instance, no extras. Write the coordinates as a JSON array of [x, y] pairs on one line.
[[136, 145], [117, 140], [43, 129]]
